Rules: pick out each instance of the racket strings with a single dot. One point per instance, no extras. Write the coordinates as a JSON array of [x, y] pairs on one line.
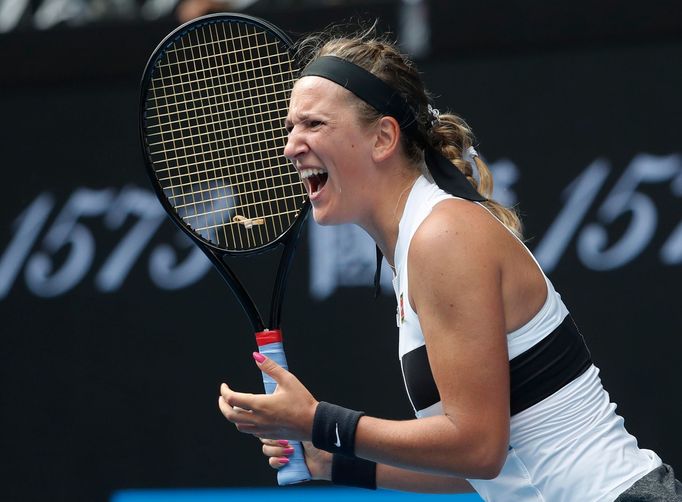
[[235, 38], [248, 201], [233, 207], [192, 207], [191, 159], [216, 109], [199, 215], [278, 205], [200, 190], [243, 84], [179, 118], [196, 81], [241, 221]]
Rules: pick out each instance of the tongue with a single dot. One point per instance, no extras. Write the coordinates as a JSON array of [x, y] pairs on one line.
[[317, 182]]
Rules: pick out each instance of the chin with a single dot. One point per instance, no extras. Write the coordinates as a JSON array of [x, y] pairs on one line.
[[325, 218], [320, 219]]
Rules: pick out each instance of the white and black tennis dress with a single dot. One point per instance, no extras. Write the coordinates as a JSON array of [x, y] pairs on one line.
[[566, 441]]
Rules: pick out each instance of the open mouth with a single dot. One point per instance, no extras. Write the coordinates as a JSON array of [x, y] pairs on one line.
[[315, 178]]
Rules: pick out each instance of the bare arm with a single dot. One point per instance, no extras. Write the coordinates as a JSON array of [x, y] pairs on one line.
[[392, 478], [395, 478], [455, 283]]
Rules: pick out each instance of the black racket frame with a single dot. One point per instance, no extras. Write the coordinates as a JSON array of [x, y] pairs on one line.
[[216, 254]]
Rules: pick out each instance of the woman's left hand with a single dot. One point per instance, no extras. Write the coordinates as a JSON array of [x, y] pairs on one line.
[[287, 413]]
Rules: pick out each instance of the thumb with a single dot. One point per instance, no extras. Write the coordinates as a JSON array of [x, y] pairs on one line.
[[270, 367]]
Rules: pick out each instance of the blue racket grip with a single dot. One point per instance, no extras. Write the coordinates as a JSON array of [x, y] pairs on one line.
[[296, 471]]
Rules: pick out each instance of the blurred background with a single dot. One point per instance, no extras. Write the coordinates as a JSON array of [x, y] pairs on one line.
[[116, 332]]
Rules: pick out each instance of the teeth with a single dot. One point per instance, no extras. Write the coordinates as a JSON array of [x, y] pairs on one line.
[[307, 173]]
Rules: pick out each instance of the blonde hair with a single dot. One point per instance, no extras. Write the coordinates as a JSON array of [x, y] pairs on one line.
[[448, 133]]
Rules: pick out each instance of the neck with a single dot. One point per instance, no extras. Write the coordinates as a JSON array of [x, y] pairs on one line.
[[383, 226]]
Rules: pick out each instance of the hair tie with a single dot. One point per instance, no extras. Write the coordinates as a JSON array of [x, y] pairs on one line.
[[434, 115]]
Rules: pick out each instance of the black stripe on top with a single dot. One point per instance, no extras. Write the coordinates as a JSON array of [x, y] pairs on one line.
[[419, 381], [547, 366], [539, 372]]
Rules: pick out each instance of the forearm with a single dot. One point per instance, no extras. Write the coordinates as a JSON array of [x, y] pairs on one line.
[[362, 473], [434, 446], [395, 478]]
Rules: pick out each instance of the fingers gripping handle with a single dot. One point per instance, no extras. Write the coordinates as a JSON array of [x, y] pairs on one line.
[[296, 471]]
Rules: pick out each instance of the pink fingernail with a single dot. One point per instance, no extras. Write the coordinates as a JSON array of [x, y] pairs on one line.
[[283, 460], [258, 357], [288, 451], [283, 442]]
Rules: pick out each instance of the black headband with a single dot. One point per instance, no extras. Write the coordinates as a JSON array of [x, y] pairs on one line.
[[388, 101], [366, 86]]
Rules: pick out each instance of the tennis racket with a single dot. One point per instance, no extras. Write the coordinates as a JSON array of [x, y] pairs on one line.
[[214, 96]]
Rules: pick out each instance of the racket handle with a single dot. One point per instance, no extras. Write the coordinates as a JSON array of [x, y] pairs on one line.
[[296, 471]]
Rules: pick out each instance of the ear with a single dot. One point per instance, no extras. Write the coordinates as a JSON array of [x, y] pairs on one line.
[[387, 138]]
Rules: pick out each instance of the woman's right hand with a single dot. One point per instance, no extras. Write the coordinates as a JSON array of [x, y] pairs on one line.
[[319, 462]]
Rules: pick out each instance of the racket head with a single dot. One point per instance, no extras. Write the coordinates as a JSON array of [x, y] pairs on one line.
[[214, 97]]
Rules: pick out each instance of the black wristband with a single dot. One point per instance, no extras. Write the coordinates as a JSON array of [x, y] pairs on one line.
[[353, 471], [334, 428]]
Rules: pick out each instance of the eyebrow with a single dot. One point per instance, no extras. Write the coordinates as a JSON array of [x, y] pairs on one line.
[[300, 116]]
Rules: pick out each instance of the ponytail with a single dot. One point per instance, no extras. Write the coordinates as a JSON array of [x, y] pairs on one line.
[[453, 137]]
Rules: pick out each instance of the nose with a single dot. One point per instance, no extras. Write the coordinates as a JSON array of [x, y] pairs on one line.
[[295, 145]]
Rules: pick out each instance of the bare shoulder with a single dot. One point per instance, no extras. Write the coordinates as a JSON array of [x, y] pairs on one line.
[[459, 230]]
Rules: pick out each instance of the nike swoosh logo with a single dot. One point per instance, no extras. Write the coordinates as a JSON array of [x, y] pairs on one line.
[[338, 439]]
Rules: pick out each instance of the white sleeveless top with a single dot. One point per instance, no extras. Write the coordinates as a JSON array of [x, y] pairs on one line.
[[571, 446]]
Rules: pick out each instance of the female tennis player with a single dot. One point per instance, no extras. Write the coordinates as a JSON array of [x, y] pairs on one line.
[[507, 400]]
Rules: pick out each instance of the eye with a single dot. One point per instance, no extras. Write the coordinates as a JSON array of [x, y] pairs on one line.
[[314, 124]]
